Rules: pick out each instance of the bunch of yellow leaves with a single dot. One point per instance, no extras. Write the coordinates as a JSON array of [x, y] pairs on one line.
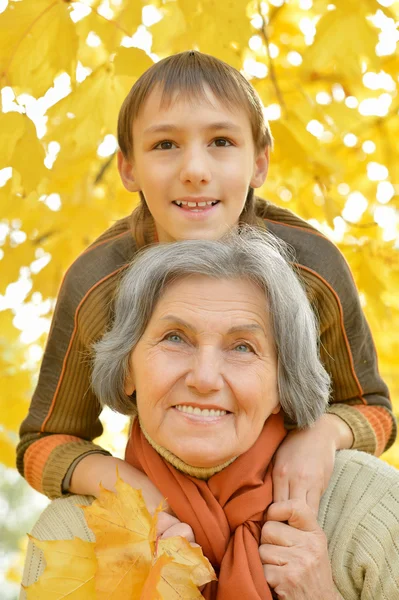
[[126, 560]]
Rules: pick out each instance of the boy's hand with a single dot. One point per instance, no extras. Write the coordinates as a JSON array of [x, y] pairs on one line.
[[304, 463], [295, 556]]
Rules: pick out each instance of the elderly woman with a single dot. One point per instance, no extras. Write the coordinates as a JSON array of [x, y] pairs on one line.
[[214, 342]]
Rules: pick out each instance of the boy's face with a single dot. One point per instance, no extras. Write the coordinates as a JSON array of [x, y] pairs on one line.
[[194, 162]]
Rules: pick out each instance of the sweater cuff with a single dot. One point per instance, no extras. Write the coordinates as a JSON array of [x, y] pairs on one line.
[[363, 435], [60, 461], [66, 482]]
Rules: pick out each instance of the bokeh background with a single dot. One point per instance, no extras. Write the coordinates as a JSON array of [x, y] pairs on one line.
[[327, 73]]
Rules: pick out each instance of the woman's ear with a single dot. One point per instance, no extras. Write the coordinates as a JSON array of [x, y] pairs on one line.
[[125, 168], [261, 167], [129, 386], [276, 409]]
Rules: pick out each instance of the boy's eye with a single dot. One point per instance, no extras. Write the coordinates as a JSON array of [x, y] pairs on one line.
[[164, 145], [222, 142]]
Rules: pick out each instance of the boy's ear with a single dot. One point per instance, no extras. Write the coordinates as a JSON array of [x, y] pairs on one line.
[[261, 167], [125, 168]]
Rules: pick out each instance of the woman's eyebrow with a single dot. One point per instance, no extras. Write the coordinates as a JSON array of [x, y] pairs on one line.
[[169, 127], [245, 327], [173, 320]]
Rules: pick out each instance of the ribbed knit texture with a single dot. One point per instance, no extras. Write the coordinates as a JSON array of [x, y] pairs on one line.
[[203, 473], [63, 418], [359, 514]]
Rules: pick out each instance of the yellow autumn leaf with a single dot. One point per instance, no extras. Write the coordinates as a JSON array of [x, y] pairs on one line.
[[197, 566], [28, 158], [125, 540], [127, 551], [69, 572], [12, 127], [85, 116], [131, 62], [344, 37], [37, 42], [111, 31], [13, 259], [14, 398], [7, 450]]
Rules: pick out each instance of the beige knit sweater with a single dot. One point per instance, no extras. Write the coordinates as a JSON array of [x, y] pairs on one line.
[[359, 514]]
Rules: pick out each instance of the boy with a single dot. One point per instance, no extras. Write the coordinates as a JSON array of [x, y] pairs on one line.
[[194, 144]]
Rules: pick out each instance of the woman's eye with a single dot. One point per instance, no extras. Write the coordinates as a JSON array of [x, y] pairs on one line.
[[165, 145], [222, 142], [244, 348], [174, 337]]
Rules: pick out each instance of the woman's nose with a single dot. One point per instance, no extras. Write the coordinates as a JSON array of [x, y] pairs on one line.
[[205, 375], [195, 167]]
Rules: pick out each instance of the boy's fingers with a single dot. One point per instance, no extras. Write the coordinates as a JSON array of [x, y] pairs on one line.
[[296, 512]]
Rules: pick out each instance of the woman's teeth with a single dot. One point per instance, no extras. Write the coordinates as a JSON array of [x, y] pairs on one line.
[[203, 412], [195, 204]]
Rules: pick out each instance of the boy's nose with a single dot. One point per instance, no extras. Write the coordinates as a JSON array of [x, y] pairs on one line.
[[195, 168], [205, 375]]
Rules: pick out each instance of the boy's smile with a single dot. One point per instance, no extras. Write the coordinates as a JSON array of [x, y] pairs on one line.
[[194, 161]]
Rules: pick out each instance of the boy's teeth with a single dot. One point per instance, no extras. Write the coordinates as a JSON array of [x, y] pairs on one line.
[[186, 408], [195, 204]]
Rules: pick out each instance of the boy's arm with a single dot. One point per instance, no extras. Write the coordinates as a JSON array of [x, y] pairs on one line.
[[359, 395], [63, 418]]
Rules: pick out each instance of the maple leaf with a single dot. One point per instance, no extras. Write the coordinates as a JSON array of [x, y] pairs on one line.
[[131, 563], [125, 540], [70, 570], [125, 561]]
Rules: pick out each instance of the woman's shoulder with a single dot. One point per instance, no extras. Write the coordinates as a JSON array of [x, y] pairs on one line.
[[359, 484], [64, 519], [359, 514]]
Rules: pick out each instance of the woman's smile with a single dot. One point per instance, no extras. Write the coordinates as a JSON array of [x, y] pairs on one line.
[[205, 369], [193, 415]]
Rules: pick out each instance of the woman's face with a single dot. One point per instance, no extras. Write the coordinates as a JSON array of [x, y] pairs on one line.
[[205, 369]]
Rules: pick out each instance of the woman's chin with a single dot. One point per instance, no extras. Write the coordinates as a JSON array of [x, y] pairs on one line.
[[203, 458]]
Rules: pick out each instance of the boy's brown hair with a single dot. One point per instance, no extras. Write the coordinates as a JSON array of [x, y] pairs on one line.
[[188, 73]]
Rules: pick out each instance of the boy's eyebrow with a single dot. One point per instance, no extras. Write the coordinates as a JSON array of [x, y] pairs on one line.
[[168, 127]]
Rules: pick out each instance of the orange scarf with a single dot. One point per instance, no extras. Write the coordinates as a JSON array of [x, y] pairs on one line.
[[226, 512]]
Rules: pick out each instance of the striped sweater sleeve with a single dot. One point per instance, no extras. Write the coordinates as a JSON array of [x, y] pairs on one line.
[[63, 418], [359, 395]]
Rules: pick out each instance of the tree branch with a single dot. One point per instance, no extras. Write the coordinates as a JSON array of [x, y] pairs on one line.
[[272, 70]]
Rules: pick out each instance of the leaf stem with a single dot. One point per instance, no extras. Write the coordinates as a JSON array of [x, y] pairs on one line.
[[117, 25], [272, 70]]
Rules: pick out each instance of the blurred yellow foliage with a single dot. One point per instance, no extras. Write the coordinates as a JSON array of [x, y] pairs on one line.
[[332, 97]]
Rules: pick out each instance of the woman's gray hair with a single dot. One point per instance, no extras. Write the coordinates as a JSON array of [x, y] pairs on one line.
[[255, 255]]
